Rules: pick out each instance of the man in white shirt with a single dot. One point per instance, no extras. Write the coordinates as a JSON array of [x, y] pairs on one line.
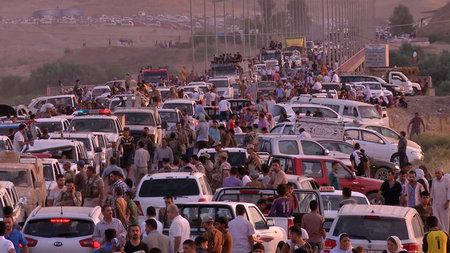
[[241, 231], [440, 196], [19, 138], [303, 134], [179, 230], [336, 78], [6, 246], [326, 79], [141, 159], [317, 86], [54, 193], [224, 107]]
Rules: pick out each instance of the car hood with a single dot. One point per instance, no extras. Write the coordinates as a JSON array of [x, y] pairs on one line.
[[410, 144]]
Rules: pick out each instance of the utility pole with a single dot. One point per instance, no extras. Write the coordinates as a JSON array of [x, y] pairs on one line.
[[234, 35], [206, 37], [192, 37], [215, 32]]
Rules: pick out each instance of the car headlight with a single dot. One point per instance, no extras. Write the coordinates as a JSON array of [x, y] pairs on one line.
[[397, 88]]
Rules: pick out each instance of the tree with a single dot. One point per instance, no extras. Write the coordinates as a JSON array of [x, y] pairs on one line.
[[401, 21]]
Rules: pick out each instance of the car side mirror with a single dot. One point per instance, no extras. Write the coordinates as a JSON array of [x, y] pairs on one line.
[[98, 149], [326, 152], [270, 222]]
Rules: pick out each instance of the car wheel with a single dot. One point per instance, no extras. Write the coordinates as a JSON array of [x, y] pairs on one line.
[[381, 173], [395, 159], [372, 197], [414, 92]]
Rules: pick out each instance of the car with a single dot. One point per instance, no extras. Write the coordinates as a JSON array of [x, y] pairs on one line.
[[25, 172], [138, 118], [182, 186], [331, 200], [5, 143], [90, 142], [265, 231], [236, 156], [397, 90], [252, 195], [318, 168], [103, 122], [62, 150], [213, 113], [129, 100], [378, 168], [107, 149], [291, 109], [9, 197], [192, 89], [266, 88], [277, 145], [352, 110], [4, 129], [181, 104], [62, 229], [101, 90], [51, 170], [170, 118], [301, 182], [224, 86], [58, 101], [370, 225], [380, 147], [238, 104], [53, 124]]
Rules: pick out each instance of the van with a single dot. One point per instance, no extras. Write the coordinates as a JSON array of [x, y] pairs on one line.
[[224, 86], [58, 101], [360, 112]]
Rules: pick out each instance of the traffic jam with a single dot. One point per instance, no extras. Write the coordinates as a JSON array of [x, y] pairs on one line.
[[275, 153]]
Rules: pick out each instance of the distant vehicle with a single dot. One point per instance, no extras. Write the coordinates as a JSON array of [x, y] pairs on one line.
[[62, 229], [101, 90], [154, 75], [53, 124], [370, 225], [181, 104], [236, 156], [51, 170], [396, 89], [58, 101], [105, 123], [170, 118], [266, 88], [224, 86]]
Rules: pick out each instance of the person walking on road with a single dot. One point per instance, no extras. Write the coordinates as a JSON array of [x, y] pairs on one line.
[[440, 198], [401, 150], [411, 194]]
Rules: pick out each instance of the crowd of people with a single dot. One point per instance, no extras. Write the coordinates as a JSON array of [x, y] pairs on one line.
[[227, 58]]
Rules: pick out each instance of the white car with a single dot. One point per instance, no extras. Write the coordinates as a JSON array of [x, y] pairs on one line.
[[57, 101], [10, 197], [380, 147], [182, 186], [370, 225], [51, 170], [101, 90], [54, 124], [180, 104], [331, 200], [170, 118], [5, 143], [291, 109], [62, 229]]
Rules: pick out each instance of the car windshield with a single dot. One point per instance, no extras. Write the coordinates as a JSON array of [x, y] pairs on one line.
[[180, 106], [59, 227], [332, 202], [98, 92], [169, 187], [92, 125], [65, 153], [138, 118], [20, 178], [220, 83], [369, 112], [235, 159], [169, 117], [51, 126], [371, 227], [373, 86], [154, 76]]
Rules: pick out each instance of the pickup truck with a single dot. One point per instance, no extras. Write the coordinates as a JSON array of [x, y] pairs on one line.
[[265, 231], [318, 167], [252, 195], [398, 78]]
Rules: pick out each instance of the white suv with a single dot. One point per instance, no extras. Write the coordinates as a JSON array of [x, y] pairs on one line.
[[62, 229], [182, 186], [370, 225]]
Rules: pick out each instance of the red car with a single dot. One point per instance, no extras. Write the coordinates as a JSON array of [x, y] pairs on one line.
[[318, 167]]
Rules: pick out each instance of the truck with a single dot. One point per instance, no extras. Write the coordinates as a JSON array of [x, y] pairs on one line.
[[397, 77], [266, 232], [160, 75]]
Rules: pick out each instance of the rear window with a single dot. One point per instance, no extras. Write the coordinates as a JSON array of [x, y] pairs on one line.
[[59, 227], [235, 159], [371, 227], [51, 126], [332, 202], [169, 187]]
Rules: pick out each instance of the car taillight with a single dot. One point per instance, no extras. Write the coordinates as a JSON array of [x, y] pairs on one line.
[[89, 243], [138, 204], [329, 245], [290, 224], [31, 242], [411, 247], [202, 200]]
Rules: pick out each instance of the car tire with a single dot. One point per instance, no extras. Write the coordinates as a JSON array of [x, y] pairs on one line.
[[372, 197], [414, 92], [381, 173], [395, 159]]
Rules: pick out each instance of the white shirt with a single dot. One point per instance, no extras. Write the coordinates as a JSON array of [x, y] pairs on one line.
[[326, 79], [246, 179], [317, 86], [240, 229], [141, 158], [440, 191], [179, 228], [159, 228], [54, 193], [336, 78], [224, 105], [5, 245], [305, 135], [18, 137]]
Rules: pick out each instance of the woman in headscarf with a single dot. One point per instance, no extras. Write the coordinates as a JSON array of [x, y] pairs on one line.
[[394, 245], [343, 245], [420, 175]]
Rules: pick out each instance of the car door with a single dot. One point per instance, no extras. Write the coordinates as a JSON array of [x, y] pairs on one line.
[[263, 233], [374, 146]]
